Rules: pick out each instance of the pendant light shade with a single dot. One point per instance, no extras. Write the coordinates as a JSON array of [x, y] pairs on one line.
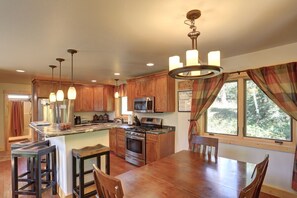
[[71, 91], [60, 93], [52, 96]]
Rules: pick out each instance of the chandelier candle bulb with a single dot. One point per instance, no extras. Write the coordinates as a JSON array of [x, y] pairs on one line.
[[174, 62], [214, 58], [192, 57]]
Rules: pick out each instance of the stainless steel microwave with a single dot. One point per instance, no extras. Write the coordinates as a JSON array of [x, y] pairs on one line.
[[144, 105]]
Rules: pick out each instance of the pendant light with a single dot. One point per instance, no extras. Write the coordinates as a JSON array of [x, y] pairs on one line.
[[116, 94], [52, 96], [60, 93], [71, 91], [194, 69]]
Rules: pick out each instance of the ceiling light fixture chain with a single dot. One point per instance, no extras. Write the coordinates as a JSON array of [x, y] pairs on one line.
[[52, 96], [72, 91], [60, 93], [194, 69]]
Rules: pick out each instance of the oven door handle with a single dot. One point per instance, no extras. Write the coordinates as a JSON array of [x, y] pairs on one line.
[[134, 138]]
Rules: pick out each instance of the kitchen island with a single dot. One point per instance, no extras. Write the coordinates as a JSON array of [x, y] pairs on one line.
[[75, 138]]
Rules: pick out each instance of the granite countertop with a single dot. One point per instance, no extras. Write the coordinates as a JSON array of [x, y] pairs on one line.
[[164, 129], [53, 130]]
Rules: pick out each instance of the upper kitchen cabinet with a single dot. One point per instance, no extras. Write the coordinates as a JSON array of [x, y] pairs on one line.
[[165, 97], [84, 99], [159, 85], [108, 98], [98, 98], [130, 94]]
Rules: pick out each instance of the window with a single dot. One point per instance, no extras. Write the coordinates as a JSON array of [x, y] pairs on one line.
[[124, 106], [222, 114], [242, 110], [264, 119]]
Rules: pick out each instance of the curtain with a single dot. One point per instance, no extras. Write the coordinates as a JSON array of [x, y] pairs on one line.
[[16, 118], [279, 83], [204, 93]]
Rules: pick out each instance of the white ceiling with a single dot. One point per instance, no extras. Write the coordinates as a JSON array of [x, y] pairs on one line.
[[122, 36]]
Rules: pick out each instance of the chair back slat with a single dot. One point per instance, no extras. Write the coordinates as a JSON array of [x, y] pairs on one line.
[[254, 188], [205, 145], [107, 186]]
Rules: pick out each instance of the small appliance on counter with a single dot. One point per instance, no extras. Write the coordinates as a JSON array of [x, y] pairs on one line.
[[130, 120], [77, 120]]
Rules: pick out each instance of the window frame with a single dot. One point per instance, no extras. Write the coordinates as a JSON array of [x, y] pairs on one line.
[[241, 139], [245, 120], [237, 133]]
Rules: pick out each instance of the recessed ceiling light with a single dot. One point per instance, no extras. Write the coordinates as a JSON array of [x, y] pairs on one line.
[[117, 74], [150, 64], [19, 70], [93, 81]]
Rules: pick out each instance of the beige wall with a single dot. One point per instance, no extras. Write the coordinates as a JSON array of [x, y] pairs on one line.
[[11, 88]]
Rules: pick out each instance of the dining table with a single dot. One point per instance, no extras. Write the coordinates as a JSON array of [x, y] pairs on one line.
[[188, 174]]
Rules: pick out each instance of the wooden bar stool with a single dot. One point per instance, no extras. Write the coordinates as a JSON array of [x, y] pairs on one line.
[[79, 156], [35, 180]]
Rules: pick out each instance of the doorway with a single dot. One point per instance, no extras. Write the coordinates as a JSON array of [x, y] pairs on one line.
[[18, 115]]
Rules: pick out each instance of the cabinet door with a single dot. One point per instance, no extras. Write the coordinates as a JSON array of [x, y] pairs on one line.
[[78, 100], [113, 139], [165, 94], [121, 142], [152, 148], [87, 98], [130, 95], [149, 86], [98, 98], [161, 97], [43, 89], [108, 98]]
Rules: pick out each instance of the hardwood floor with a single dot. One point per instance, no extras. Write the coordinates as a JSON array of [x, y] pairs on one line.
[[118, 166]]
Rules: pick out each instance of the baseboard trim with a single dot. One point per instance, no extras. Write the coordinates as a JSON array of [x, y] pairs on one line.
[[62, 194], [278, 192]]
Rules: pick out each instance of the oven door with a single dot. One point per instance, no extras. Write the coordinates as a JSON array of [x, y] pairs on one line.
[[135, 146]]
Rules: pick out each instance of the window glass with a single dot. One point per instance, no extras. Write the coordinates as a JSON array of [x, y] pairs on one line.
[[124, 106], [222, 114], [264, 119]]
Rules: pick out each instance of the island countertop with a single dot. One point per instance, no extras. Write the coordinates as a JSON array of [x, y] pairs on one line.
[[53, 129]]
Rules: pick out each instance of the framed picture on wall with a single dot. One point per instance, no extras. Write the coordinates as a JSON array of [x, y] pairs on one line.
[[184, 101]]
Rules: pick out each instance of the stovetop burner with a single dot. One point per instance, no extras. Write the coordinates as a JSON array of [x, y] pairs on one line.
[[147, 124]]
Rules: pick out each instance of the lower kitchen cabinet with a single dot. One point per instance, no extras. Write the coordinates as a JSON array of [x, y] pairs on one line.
[[159, 146], [117, 142]]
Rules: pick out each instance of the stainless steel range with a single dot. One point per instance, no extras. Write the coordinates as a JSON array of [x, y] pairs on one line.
[[136, 140]]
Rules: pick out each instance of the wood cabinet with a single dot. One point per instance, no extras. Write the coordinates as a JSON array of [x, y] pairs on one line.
[[108, 98], [165, 99], [117, 141], [84, 99], [159, 85], [131, 94], [113, 139], [121, 142], [98, 98], [159, 146]]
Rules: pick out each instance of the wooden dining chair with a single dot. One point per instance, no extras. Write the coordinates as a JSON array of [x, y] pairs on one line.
[[106, 185], [254, 188], [261, 168], [250, 190], [203, 144]]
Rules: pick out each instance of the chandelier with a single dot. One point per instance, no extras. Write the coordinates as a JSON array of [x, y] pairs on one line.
[[194, 68]]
